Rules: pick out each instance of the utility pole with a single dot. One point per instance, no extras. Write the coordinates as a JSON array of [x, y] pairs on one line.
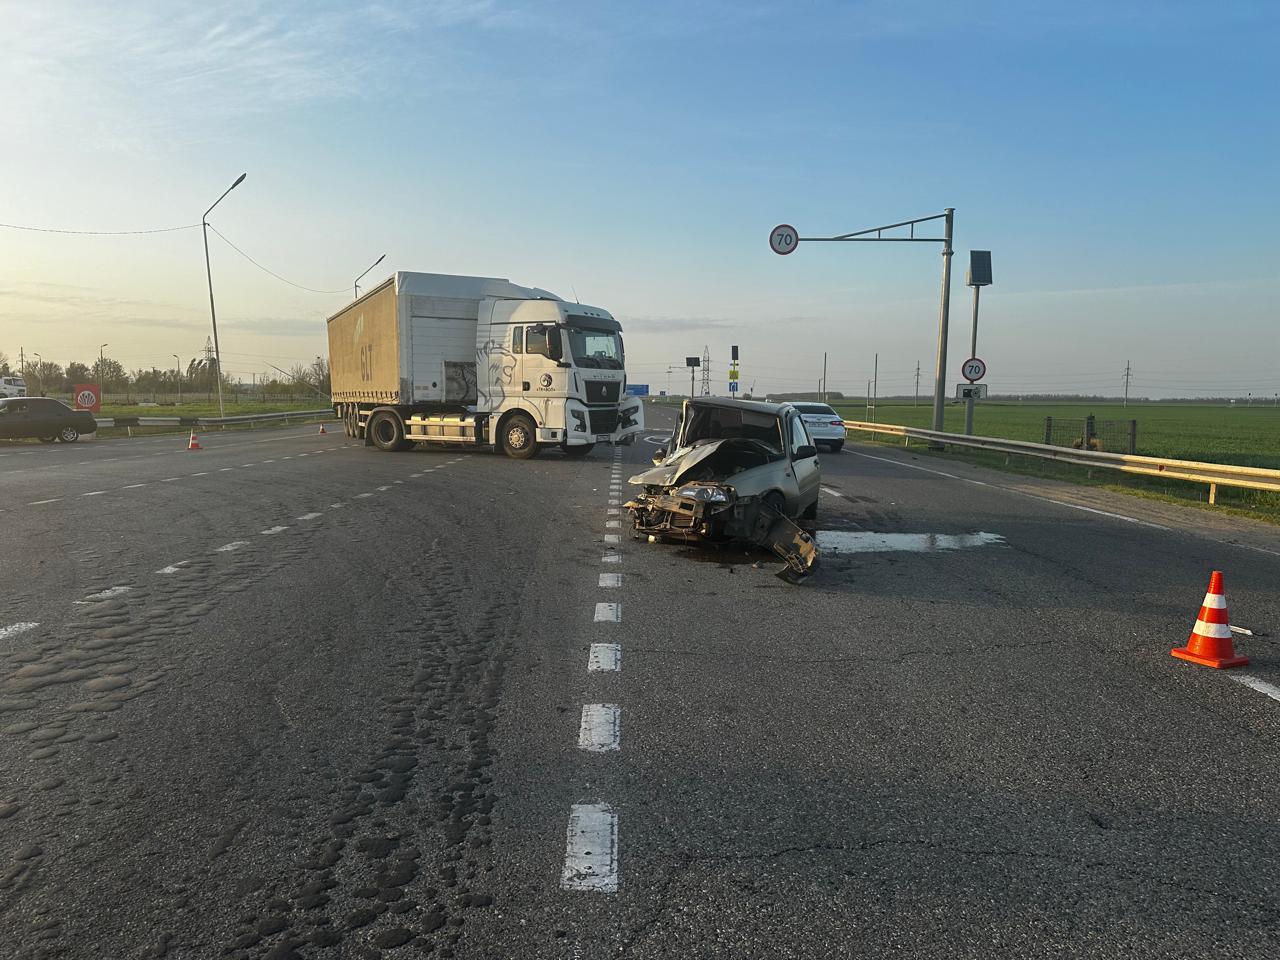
[[944, 319], [213, 316], [869, 414], [875, 386], [916, 401], [1127, 375], [706, 371], [22, 363], [822, 395]]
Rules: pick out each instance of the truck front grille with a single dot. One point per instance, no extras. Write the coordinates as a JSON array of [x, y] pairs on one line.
[[603, 391], [603, 421]]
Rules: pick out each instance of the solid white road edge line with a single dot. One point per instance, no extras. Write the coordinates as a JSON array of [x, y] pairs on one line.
[[37, 503], [591, 849], [16, 628], [1020, 493], [601, 727], [608, 613], [604, 658], [1270, 689]]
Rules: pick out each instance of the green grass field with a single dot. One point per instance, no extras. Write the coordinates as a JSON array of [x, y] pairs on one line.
[[1245, 435], [206, 409]]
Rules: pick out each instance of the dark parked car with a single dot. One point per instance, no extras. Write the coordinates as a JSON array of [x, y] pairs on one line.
[[49, 420]]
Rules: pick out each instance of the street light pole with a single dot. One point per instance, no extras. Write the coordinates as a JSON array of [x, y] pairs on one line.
[[944, 318], [213, 314], [177, 368], [356, 285]]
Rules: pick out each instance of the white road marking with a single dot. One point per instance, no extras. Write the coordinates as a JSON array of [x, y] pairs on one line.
[[232, 546], [833, 492], [170, 479], [414, 476], [380, 489], [612, 538], [246, 464], [363, 495], [608, 613], [173, 567], [611, 558], [134, 486], [1270, 689], [1021, 493], [225, 469], [268, 461], [610, 579], [308, 516], [16, 628], [93, 493], [591, 849], [106, 594], [601, 727], [397, 481], [36, 503], [335, 506], [613, 524], [273, 531], [202, 473], [604, 658], [612, 512], [613, 501]]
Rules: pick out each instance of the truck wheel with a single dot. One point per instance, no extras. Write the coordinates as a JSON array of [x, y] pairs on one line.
[[387, 432], [579, 451], [519, 438], [349, 419]]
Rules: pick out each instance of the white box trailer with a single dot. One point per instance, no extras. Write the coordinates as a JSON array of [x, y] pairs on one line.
[[426, 357]]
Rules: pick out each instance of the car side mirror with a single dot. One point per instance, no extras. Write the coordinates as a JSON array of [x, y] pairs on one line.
[[805, 452]]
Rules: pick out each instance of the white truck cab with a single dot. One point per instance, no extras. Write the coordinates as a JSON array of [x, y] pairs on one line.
[[13, 387]]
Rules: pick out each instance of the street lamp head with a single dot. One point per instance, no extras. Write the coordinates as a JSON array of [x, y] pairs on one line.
[[239, 180], [378, 261]]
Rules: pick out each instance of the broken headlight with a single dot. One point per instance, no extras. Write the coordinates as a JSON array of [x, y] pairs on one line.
[[708, 494]]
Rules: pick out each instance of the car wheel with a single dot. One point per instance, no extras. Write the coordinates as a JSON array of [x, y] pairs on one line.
[[386, 431], [519, 439], [578, 451], [69, 435], [775, 500]]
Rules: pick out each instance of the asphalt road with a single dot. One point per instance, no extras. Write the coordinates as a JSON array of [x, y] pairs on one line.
[[288, 696]]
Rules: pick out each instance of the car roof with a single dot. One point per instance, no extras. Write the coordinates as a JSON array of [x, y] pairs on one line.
[[755, 406]]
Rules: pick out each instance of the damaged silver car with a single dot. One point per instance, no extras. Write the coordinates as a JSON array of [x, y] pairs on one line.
[[734, 470]]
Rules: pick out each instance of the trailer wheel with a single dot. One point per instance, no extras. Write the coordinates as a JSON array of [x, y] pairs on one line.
[[519, 437], [349, 419], [387, 432], [579, 451]]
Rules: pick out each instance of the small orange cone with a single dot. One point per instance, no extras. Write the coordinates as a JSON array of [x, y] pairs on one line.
[[323, 431], [194, 443], [1210, 643]]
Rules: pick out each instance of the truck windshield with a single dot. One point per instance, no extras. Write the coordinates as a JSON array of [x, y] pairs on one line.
[[595, 348]]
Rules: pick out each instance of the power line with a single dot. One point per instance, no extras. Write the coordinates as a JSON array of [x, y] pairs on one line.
[[268, 270], [99, 233]]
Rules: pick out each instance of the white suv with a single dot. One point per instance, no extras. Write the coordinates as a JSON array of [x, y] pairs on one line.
[[13, 387]]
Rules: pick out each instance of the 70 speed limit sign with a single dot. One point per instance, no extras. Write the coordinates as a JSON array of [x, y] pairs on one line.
[[973, 369], [783, 239]]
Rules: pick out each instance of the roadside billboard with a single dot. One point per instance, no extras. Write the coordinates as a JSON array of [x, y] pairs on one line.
[[88, 396]]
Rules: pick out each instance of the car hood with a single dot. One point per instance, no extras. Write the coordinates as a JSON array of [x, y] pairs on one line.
[[672, 472]]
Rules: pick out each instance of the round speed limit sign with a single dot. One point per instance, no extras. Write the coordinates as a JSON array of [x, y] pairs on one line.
[[973, 369], [783, 239]]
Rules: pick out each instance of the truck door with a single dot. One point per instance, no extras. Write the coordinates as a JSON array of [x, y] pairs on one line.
[[541, 375]]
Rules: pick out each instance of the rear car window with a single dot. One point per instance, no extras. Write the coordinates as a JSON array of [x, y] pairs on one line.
[[814, 408]]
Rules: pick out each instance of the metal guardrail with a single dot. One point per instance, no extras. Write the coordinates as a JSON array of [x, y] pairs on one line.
[[1193, 471], [211, 421]]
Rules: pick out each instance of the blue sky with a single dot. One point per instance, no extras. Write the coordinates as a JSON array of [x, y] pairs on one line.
[[1117, 158]]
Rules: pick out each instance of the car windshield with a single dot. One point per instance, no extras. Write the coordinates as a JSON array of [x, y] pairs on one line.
[[812, 408], [719, 423], [595, 348]]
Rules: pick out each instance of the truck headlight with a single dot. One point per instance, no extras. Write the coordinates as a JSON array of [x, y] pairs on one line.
[[706, 494], [581, 419]]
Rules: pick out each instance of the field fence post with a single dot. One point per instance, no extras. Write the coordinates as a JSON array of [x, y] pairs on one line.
[[1048, 431], [1090, 431], [1133, 437]]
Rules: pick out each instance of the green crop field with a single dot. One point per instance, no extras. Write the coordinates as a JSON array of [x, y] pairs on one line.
[[204, 408], [1221, 433]]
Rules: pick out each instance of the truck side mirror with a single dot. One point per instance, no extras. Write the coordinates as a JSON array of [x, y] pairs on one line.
[[555, 346]]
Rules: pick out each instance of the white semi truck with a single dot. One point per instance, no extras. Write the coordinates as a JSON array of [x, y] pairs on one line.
[[434, 358]]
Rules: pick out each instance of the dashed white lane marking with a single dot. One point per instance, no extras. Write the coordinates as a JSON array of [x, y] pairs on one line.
[[202, 473], [170, 479], [613, 524], [612, 538], [380, 489], [363, 495], [608, 613], [36, 503], [335, 506], [232, 546], [133, 486], [106, 594], [308, 516], [272, 531], [1020, 493], [611, 558], [604, 658], [246, 464], [601, 727], [268, 461], [1270, 689], [93, 493], [225, 469], [833, 492], [16, 628], [591, 849], [173, 567], [414, 476], [610, 579]]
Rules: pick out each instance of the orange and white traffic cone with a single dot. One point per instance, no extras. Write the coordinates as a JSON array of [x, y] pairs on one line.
[[323, 431], [194, 442], [1210, 643]]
